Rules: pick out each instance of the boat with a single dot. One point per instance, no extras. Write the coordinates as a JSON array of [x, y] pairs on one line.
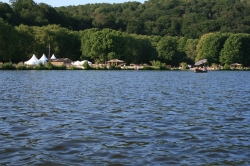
[[200, 71], [200, 63]]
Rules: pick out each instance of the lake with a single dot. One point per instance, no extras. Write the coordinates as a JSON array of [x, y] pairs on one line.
[[153, 118]]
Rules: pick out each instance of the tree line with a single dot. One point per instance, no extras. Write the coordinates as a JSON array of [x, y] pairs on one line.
[[19, 43], [185, 18], [170, 31]]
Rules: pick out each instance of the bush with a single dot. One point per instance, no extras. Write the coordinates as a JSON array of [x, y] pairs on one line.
[[117, 68], [8, 66], [105, 67], [40, 66], [148, 68], [100, 67], [75, 68], [21, 66], [112, 67], [49, 66], [159, 65], [63, 67], [163, 67], [86, 65], [53, 67], [184, 65], [226, 67]]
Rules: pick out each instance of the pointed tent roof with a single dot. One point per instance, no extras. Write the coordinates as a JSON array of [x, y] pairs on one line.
[[33, 61], [43, 58], [53, 57]]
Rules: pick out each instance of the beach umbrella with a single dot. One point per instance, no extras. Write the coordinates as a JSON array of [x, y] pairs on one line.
[[200, 62]]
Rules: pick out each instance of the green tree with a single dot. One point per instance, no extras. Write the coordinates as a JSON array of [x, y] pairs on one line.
[[236, 49], [53, 39], [87, 40], [200, 45], [102, 45], [131, 49], [167, 50], [7, 13], [212, 47], [181, 49], [104, 21], [246, 50], [25, 48], [29, 13], [190, 49], [67, 43], [139, 48], [134, 25], [8, 41]]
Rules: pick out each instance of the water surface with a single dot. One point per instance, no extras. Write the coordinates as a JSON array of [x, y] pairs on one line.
[[124, 118]]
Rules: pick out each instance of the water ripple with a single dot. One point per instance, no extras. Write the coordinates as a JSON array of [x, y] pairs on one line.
[[124, 118]]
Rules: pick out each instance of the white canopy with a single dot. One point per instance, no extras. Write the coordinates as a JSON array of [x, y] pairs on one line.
[[43, 59], [53, 57], [77, 63], [201, 62], [86, 61], [80, 63], [33, 61]]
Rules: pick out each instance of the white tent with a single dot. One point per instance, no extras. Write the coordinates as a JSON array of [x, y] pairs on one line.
[[33, 61], [77, 63], [80, 63], [86, 61], [43, 59], [53, 57]]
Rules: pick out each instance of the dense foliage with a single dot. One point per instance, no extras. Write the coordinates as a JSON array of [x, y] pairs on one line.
[[8, 41], [170, 31], [188, 18]]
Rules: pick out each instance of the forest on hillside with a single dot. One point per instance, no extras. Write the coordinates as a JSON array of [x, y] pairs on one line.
[[171, 31], [186, 18]]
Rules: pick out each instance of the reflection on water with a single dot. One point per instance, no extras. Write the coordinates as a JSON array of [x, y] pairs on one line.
[[124, 118]]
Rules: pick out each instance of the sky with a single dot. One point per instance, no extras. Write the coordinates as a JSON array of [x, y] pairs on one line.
[[58, 3]]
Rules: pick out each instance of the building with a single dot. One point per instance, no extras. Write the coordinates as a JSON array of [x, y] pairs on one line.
[[116, 62], [61, 61]]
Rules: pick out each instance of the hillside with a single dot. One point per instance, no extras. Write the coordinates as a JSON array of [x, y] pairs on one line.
[[187, 18]]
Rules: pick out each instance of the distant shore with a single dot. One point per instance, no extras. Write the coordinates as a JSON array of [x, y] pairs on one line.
[[48, 66]]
